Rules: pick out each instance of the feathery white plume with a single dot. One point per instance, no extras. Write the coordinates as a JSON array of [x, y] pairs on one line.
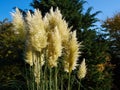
[[82, 70]]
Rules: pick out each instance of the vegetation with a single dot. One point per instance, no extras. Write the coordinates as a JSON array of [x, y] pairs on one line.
[[95, 47], [28, 60], [11, 59], [111, 26]]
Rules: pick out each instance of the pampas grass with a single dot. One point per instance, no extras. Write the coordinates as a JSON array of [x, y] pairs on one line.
[[51, 49], [82, 70], [19, 24]]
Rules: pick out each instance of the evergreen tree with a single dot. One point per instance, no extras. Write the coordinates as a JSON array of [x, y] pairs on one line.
[[95, 48], [98, 61], [72, 11]]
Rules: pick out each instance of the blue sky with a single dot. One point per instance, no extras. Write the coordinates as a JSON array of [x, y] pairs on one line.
[[108, 7], [6, 6]]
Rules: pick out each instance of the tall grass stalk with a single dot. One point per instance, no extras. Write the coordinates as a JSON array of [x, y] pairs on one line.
[[45, 68], [69, 81], [61, 83], [50, 79], [44, 79], [79, 85], [31, 73], [56, 72], [26, 76]]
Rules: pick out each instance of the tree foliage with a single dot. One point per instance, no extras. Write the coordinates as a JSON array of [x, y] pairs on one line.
[[112, 26], [11, 58], [72, 11], [11, 47]]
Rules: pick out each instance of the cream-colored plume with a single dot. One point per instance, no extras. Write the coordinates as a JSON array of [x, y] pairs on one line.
[[28, 57], [82, 70], [19, 24], [54, 49], [37, 34], [53, 19], [72, 53], [69, 41]]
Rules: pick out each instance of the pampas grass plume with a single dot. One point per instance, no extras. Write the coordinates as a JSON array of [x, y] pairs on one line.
[[72, 53], [54, 47], [37, 33], [19, 24], [82, 70]]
